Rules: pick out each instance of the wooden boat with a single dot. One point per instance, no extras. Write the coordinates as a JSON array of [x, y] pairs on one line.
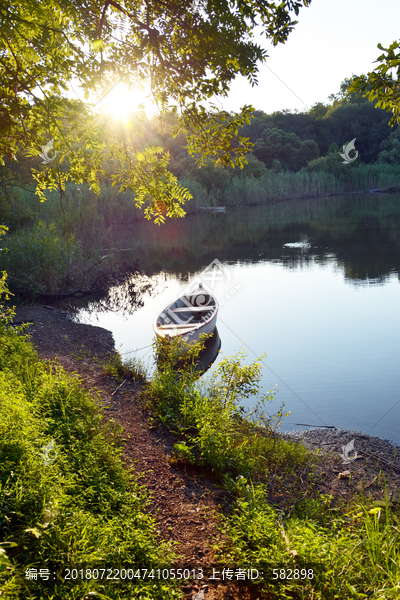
[[190, 316]]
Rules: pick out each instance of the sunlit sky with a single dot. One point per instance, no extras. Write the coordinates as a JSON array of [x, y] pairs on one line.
[[333, 40]]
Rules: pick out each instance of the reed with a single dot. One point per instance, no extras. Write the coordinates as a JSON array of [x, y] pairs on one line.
[[272, 187]]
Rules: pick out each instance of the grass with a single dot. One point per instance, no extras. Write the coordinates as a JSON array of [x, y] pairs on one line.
[[271, 187], [132, 368], [352, 554], [47, 254], [67, 500], [306, 546]]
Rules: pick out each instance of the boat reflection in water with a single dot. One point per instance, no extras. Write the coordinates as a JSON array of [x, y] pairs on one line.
[[209, 353], [207, 356]]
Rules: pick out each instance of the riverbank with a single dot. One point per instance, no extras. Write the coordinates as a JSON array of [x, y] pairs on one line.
[[189, 506], [369, 458], [74, 345]]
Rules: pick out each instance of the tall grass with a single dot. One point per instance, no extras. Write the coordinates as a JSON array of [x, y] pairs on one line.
[[38, 259], [52, 248], [66, 498], [85, 213]]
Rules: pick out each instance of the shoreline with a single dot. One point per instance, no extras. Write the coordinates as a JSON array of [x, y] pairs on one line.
[[57, 335], [372, 473], [365, 445]]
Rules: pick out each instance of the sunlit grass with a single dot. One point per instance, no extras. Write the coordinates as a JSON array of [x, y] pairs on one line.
[[67, 500]]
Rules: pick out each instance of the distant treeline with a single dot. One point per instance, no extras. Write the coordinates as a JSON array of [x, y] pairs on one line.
[[284, 143], [310, 141]]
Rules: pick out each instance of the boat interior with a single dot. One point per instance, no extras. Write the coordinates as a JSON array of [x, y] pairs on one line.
[[184, 313]]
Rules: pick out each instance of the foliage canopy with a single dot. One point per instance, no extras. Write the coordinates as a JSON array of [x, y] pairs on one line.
[[186, 53], [382, 85]]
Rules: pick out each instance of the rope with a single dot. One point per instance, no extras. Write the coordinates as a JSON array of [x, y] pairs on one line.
[[137, 350]]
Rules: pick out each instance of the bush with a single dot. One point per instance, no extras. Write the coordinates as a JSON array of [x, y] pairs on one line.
[[331, 163], [216, 431]]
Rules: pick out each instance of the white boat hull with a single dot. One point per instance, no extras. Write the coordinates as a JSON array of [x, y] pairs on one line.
[[189, 317]]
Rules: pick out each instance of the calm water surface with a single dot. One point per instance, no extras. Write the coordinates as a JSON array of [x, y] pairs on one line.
[[313, 284]]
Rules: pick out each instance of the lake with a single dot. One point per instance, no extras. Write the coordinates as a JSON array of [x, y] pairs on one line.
[[314, 284]]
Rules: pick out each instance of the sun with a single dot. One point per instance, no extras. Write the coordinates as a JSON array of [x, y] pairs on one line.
[[121, 102]]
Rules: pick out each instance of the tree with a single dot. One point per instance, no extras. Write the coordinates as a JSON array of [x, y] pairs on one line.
[[286, 148], [382, 85], [349, 116], [319, 110], [390, 149], [361, 120], [346, 94], [331, 163], [186, 52]]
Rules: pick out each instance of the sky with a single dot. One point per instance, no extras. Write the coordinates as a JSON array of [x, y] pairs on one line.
[[332, 40]]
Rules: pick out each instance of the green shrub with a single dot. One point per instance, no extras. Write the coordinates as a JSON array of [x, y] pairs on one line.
[[216, 431], [305, 546]]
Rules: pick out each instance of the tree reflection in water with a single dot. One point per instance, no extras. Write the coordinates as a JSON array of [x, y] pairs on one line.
[[122, 291]]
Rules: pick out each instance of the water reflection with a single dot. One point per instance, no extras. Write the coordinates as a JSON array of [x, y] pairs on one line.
[[361, 232], [210, 352], [123, 299], [362, 235]]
